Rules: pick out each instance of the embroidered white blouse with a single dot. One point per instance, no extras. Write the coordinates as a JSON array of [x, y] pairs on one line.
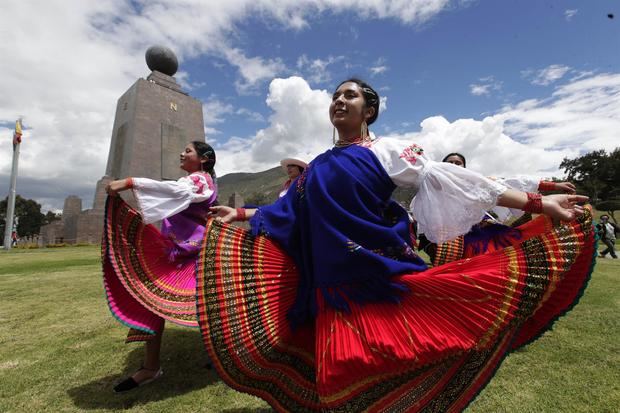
[[158, 200], [449, 199]]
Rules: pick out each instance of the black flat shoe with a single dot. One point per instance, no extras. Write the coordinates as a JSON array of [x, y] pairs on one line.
[[130, 384]]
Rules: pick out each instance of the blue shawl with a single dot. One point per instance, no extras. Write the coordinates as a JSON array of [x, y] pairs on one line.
[[346, 235]]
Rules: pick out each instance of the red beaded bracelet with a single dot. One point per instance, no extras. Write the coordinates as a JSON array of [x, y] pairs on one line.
[[546, 186], [534, 203], [240, 214], [129, 183]]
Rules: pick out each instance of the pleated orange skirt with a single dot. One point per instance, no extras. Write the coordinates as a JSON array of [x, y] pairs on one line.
[[434, 351]]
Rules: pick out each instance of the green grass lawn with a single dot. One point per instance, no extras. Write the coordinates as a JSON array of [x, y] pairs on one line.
[[61, 350]]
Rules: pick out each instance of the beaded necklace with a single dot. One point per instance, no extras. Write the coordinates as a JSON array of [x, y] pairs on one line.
[[356, 141]]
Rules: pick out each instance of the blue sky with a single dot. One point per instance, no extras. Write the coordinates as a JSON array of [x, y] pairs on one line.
[[429, 69], [516, 85]]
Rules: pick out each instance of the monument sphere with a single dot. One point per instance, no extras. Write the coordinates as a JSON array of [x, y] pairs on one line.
[[162, 59]]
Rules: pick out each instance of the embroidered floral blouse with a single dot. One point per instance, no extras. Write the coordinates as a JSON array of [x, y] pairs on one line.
[[158, 200], [449, 199]]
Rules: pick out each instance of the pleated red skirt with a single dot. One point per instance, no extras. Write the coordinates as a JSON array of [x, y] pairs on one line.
[[434, 351]]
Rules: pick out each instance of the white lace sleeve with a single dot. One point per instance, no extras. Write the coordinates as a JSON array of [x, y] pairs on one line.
[[524, 183], [158, 200], [449, 199]]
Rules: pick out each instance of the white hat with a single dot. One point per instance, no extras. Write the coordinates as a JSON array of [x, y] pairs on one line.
[[293, 161]]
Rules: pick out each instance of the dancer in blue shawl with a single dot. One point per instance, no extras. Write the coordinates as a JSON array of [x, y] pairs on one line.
[[324, 306]]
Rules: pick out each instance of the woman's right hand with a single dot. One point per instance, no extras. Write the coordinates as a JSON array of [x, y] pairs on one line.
[[224, 213], [563, 207]]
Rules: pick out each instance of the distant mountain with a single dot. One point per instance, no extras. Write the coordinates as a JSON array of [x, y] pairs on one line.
[[262, 188]]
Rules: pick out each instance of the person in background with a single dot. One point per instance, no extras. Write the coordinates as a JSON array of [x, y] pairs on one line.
[[455, 158], [607, 233], [490, 233], [293, 167]]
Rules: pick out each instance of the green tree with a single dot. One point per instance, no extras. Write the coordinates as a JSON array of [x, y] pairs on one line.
[[28, 213], [51, 217], [597, 174]]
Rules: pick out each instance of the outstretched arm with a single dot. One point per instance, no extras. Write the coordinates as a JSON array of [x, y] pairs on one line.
[[562, 207], [114, 187], [227, 214], [566, 187], [158, 200]]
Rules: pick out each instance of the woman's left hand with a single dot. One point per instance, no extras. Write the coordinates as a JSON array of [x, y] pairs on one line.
[[563, 207], [566, 187], [114, 187], [224, 213]]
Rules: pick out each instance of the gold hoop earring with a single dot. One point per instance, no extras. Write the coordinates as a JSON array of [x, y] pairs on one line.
[[364, 132]]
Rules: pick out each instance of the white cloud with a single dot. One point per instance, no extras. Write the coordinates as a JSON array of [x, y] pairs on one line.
[[65, 80], [194, 27], [250, 115], [485, 86], [299, 127], [379, 67], [213, 111], [216, 112], [382, 104], [479, 90], [254, 70], [183, 79], [531, 137], [582, 115], [486, 146], [210, 131], [65, 64], [376, 70], [581, 75], [570, 13], [408, 11], [316, 70], [546, 76]]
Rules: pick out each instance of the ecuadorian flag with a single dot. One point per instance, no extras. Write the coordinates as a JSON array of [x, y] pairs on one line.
[[17, 136]]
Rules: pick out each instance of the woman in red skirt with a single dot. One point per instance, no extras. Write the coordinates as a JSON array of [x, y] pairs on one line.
[[323, 305]]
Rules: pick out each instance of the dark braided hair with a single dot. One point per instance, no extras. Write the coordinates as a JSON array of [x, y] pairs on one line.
[[204, 150], [370, 96]]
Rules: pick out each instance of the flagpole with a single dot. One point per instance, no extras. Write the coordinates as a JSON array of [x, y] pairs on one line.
[[10, 206]]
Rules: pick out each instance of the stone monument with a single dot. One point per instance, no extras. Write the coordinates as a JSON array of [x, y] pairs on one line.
[[154, 121], [70, 214]]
